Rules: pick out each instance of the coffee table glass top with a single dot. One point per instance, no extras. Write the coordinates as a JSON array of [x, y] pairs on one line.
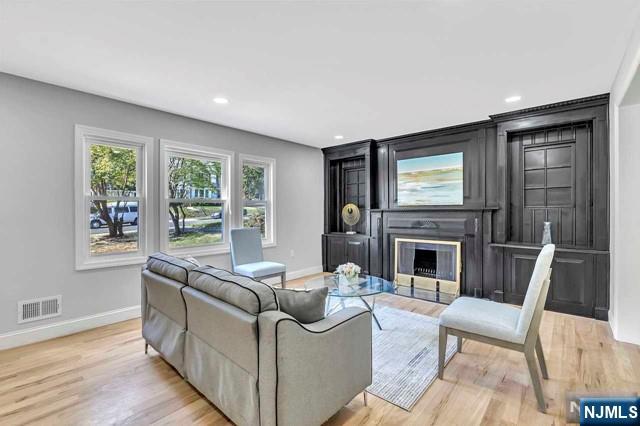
[[366, 286]]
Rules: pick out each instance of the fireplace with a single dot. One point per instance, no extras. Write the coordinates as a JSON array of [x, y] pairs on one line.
[[432, 265]]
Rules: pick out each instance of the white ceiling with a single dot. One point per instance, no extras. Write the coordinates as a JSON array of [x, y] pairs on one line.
[[307, 71]]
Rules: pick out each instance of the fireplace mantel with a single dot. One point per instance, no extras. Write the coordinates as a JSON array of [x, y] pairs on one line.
[[460, 226]]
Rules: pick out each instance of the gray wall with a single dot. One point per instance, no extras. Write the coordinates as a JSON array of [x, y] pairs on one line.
[[37, 208]]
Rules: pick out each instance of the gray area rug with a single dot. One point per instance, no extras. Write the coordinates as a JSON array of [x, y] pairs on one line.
[[405, 355]]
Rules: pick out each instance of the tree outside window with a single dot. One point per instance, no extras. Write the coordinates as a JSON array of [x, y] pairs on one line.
[[196, 201], [113, 218], [256, 194], [253, 184]]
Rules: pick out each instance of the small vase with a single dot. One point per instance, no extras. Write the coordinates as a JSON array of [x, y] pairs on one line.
[[546, 233], [345, 283]]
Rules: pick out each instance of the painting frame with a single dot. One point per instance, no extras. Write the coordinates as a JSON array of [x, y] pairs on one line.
[[430, 180]]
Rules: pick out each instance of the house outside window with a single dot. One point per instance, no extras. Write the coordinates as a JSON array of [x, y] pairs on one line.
[[196, 211]]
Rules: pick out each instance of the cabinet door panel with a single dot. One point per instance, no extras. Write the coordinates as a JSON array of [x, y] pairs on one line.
[[358, 253], [346, 248], [521, 270], [572, 280], [335, 253], [550, 180], [375, 245], [573, 284]]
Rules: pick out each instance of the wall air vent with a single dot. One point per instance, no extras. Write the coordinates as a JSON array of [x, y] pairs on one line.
[[39, 309]]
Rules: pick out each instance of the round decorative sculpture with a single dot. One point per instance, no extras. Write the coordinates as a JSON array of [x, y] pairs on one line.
[[350, 215]]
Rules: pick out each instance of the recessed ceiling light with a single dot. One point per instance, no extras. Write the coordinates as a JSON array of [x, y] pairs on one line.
[[512, 99], [221, 101], [338, 137]]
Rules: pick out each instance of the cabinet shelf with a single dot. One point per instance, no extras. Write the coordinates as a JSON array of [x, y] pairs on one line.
[[529, 246]]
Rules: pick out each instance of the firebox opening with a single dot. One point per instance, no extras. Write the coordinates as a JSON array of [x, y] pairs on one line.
[[425, 263]]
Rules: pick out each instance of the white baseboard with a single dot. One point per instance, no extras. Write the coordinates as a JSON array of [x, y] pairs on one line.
[[63, 328], [292, 275]]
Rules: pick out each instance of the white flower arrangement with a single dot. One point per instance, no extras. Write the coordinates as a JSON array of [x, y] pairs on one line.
[[349, 270]]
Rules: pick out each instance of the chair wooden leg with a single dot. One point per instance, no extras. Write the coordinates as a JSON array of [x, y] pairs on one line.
[[283, 280], [442, 348], [535, 379], [364, 394], [146, 348], [459, 344], [541, 360]]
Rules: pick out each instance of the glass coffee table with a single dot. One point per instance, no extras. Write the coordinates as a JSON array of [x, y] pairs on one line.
[[366, 285]]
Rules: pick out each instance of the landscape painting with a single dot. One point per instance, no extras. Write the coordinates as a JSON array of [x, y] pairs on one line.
[[429, 181]]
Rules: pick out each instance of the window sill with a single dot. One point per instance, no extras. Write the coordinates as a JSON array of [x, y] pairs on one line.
[[209, 251], [140, 260], [110, 263], [198, 251]]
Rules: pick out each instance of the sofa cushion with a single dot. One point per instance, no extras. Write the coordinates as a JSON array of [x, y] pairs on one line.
[[171, 267], [251, 296], [225, 328], [306, 306]]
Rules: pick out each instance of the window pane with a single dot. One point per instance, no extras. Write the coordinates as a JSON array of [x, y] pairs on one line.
[[255, 217], [189, 178], [113, 171], [253, 186], [195, 224], [113, 227]]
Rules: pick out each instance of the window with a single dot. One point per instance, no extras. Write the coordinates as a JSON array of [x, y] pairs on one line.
[[110, 197], [196, 210], [199, 201], [258, 195]]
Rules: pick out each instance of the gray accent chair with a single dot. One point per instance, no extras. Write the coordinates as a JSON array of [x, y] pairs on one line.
[[504, 325], [247, 260], [225, 335]]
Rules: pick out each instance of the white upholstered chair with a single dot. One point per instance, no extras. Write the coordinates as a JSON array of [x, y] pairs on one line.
[[247, 260], [504, 325]]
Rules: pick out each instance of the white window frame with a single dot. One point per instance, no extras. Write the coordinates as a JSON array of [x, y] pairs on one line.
[[270, 197], [169, 147], [86, 136]]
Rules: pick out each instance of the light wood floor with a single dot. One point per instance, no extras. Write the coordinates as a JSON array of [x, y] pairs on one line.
[[102, 376]]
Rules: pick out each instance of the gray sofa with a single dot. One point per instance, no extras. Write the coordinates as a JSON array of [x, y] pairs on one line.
[[226, 336]]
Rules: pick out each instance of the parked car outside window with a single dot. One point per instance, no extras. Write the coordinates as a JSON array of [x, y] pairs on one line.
[[129, 214]]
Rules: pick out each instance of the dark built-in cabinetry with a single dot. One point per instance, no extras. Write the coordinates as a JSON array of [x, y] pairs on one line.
[[342, 248], [348, 170], [520, 169]]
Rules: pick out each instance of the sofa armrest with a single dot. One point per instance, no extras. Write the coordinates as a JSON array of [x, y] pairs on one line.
[[309, 371]]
